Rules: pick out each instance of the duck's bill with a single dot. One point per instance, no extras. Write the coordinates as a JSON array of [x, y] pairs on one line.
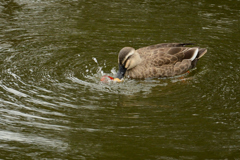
[[118, 80], [121, 72]]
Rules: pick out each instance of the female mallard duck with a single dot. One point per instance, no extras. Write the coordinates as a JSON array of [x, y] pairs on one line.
[[160, 60]]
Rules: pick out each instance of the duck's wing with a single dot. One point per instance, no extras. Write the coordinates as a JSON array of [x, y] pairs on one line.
[[165, 62], [171, 55], [162, 45]]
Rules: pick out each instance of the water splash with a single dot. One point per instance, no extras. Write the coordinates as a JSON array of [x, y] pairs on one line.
[[95, 60]]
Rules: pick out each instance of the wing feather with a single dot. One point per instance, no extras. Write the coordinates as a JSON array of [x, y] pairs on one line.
[[163, 45]]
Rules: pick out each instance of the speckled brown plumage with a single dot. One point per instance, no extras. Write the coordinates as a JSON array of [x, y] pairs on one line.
[[160, 60]]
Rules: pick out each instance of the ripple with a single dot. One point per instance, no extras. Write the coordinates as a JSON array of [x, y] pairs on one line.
[[13, 91], [33, 140], [17, 113]]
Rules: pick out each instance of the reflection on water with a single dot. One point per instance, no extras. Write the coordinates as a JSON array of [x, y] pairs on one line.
[[53, 105]]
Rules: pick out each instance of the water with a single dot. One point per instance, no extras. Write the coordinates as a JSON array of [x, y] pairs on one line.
[[53, 106]]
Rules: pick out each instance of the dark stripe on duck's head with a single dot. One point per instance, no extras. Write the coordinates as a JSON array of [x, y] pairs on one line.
[[124, 54]]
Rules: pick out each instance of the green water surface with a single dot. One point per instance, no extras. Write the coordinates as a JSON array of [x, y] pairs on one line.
[[53, 106]]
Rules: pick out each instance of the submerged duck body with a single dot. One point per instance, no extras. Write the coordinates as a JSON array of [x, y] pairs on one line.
[[160, 60]]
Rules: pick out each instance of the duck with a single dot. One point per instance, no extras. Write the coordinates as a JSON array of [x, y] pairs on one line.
[[156, 61]]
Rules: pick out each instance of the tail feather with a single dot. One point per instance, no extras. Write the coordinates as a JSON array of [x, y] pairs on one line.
[[191, 53], [194, 54], [201, 52]]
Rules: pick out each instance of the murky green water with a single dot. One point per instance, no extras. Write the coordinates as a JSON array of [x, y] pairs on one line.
[[52, 105]]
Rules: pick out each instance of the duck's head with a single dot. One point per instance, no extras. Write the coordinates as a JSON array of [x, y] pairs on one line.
[[128, 58]]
